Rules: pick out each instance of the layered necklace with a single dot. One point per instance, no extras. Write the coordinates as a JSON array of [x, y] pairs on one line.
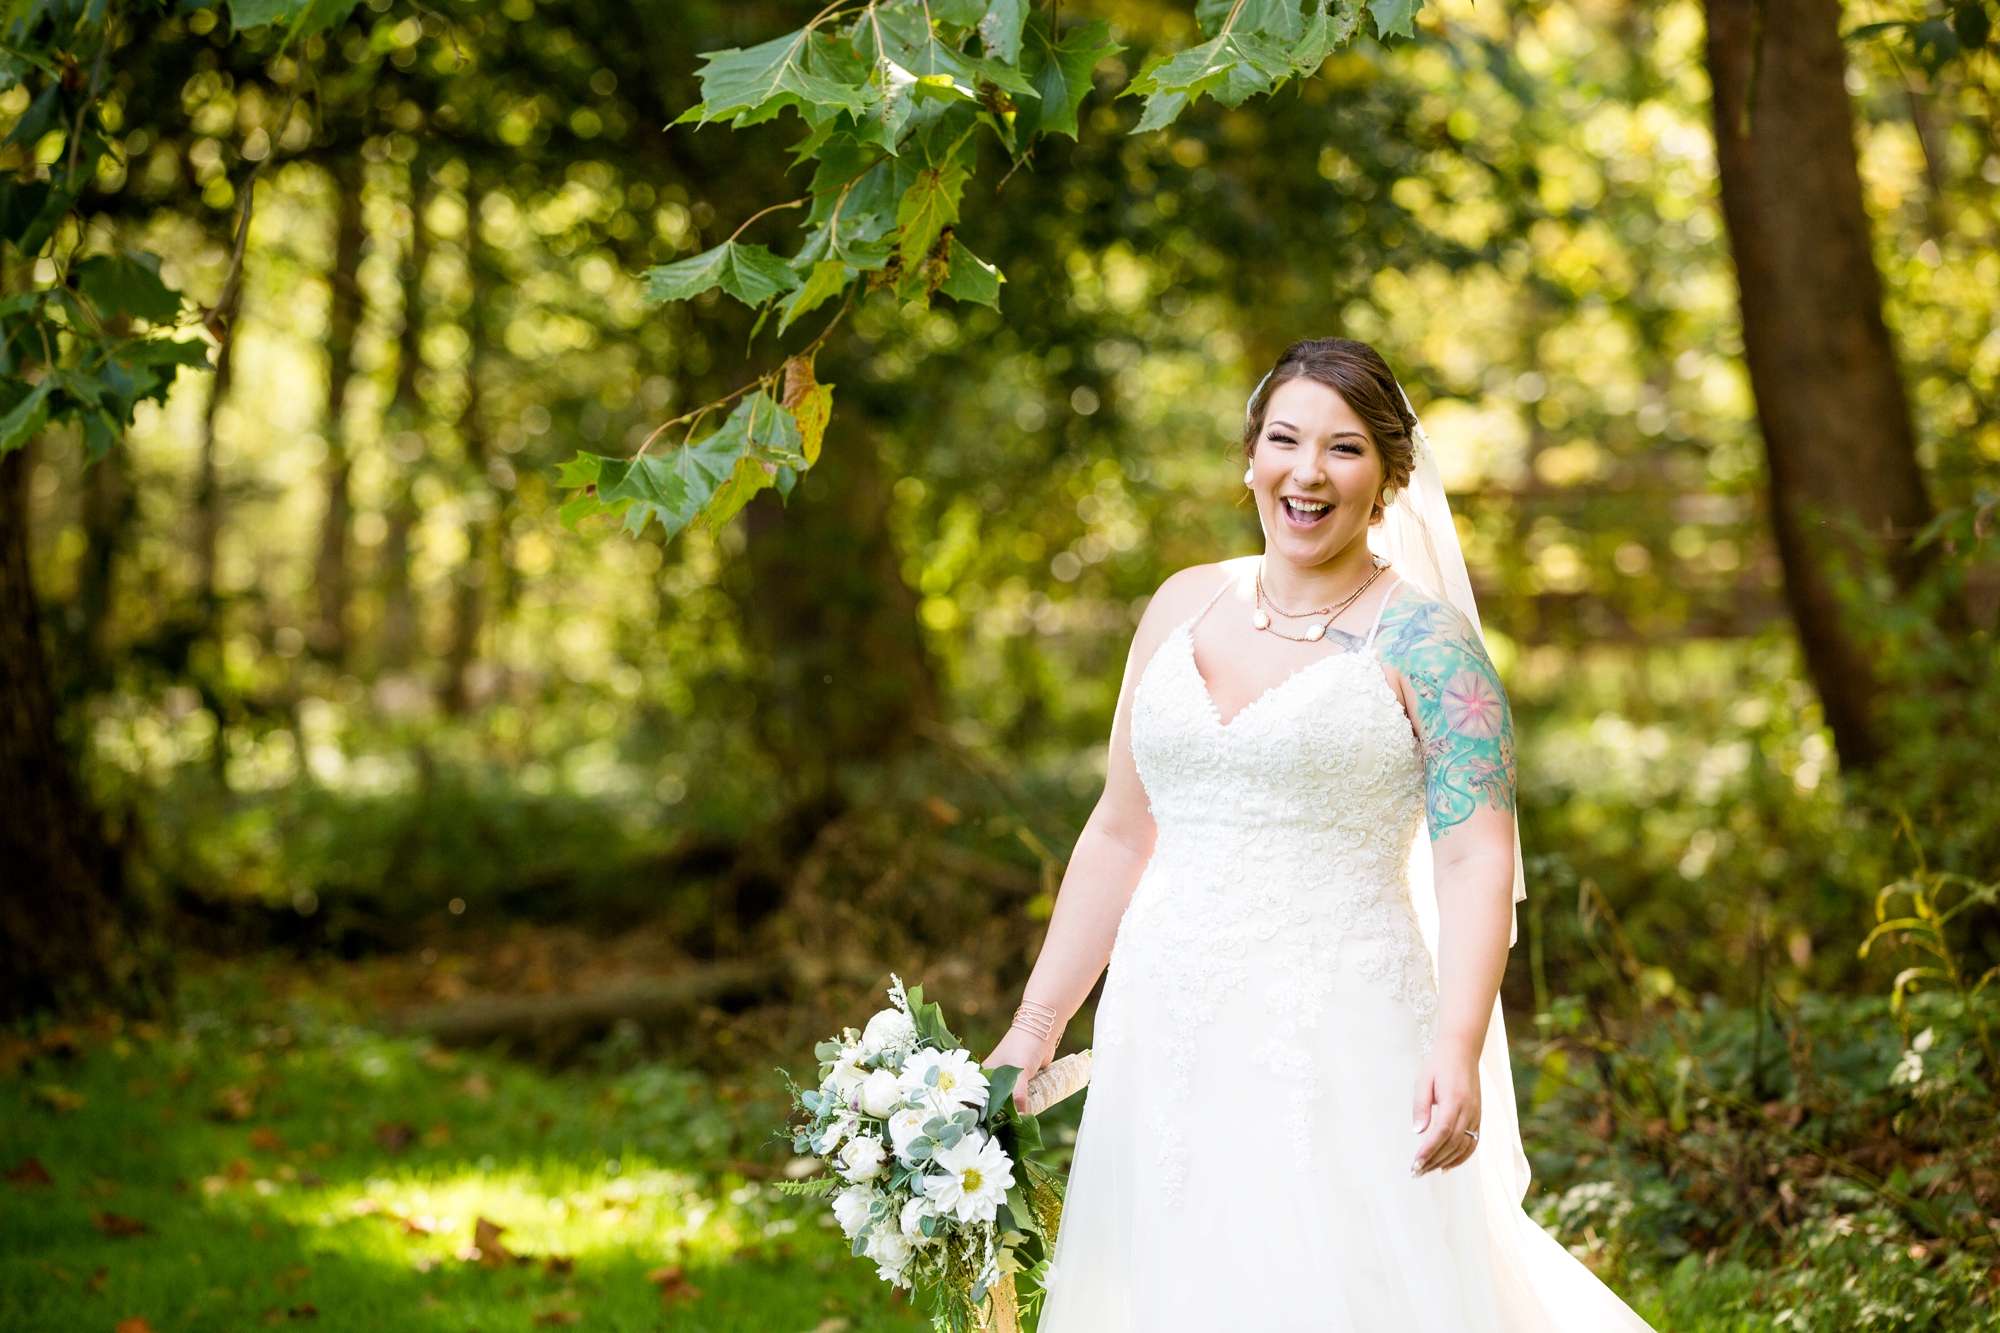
[[1317, 630]]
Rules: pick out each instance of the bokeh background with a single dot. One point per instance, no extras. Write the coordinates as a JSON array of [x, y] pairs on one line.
[[380, 739]]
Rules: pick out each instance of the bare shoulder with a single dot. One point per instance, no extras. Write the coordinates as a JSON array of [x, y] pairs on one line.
[[1180, 596]]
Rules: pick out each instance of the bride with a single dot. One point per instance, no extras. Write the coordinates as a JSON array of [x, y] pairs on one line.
[[1292, 970]]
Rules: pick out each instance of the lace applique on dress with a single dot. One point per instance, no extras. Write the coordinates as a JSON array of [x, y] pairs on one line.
[[1287, 828]]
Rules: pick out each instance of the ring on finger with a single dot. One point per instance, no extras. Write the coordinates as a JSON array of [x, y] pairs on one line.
[[1472, 1134]]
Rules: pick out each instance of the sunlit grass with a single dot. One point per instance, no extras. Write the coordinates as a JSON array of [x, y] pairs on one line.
[[289, 1168]]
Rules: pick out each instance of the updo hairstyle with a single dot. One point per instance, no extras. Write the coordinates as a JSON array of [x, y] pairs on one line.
[[1363, 379]]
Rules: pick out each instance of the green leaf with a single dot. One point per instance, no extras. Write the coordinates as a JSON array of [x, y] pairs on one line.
[[1395, 18], [128, 284], [1230, 68], [1277, 19], [750, 273], [1325, 32], [1060, 73], [1000, 29], [972, 278], [300, 17], [1972, 24], [999, 1087], [927, 208], [27, 415], [1027, 1135], [797, 70], [828, 276]]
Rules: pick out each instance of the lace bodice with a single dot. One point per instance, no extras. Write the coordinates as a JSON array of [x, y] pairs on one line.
[[1283, 841]]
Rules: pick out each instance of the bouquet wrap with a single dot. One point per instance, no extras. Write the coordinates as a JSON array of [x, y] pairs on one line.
[[1065, 1077]]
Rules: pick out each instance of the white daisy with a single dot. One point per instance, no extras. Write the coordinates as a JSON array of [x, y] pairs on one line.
[[971, 1179], [959, 1081]]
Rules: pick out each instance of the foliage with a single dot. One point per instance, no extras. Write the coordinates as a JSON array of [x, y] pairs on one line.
[[896, 97], [93, 335]]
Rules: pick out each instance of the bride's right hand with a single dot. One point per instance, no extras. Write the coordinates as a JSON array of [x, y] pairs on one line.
[[1027, 1052]]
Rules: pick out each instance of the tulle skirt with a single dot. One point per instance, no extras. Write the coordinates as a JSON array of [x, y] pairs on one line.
[[1244, 1164]]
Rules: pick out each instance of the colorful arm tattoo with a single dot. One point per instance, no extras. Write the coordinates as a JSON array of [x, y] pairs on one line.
[[1462, 716]]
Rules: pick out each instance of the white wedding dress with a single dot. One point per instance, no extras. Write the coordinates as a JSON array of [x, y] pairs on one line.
[[1244, 1157]]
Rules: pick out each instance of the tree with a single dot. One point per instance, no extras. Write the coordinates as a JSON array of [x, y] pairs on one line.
[[1846, 493]]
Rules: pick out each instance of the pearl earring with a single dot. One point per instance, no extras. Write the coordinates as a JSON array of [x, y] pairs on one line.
[[1250, 476]]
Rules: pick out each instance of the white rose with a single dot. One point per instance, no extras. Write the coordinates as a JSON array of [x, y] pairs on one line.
[[851, 1208], [891, 1253], [846, 1077], [889, 1033], [959, 1081], [912, 1220], [881, 1094], [836, 1132], [863, 1158], [904, 1126]]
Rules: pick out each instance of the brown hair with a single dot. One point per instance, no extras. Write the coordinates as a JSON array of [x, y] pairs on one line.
[[1363, 379]]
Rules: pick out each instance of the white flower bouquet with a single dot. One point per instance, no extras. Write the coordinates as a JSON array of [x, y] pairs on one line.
[[926, 1163]]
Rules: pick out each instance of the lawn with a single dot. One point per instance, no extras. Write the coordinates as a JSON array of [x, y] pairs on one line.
[[265, 1160]]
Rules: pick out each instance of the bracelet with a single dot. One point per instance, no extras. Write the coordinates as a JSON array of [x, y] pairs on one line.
[[1039, 1020]]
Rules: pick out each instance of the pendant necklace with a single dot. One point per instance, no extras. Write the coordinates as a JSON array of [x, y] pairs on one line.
[[1317, 630]]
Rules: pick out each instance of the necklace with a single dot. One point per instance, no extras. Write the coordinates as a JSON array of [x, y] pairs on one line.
[[1317, 630]]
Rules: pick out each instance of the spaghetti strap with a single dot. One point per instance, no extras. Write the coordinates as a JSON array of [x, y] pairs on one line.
[[1368, 644], [1194, 619]]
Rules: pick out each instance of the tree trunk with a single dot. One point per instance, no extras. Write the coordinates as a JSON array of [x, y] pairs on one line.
[[847, 678], [59, 889], [208, 484], [331, 576], [109, 504], [404, 426], [1846, 490], [469, 583]]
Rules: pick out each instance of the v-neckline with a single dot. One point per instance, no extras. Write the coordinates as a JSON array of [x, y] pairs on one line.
[[1215, 713]]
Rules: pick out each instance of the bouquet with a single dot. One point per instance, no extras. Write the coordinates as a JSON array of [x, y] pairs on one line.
[[926, 1162]]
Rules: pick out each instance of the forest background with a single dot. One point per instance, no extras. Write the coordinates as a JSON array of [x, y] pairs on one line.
[[383, 758]]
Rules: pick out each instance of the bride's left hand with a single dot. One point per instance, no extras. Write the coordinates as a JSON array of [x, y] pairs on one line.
[[1447, 1105]]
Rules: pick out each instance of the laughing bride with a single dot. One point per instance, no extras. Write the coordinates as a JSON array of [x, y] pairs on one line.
[[1301, 1115]]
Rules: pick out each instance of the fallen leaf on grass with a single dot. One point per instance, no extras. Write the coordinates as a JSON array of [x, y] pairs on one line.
[[673, 1284], [265, 1139], [558, 1317], [115, 1224], [13, 1053], [238, 1171], [394, 1138], [486, 1247], [304, 1310], [57, 1098], [234, 1102], [476, 1087], [558, 1265], [30, 1174], [136, 1324], [312, 1180], [437, 1135], [424, 1225], [99, 1280]]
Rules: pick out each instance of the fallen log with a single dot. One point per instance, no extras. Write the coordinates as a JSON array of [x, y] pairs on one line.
[[556, 1022]]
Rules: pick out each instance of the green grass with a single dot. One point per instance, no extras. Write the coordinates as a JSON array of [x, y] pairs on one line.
[[257, 1139]]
